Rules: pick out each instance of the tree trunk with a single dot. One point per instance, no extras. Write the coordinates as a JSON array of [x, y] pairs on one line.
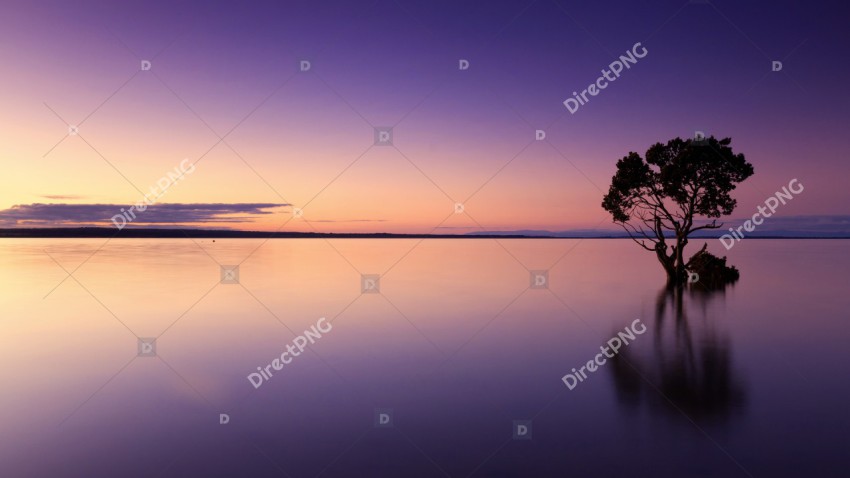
[[674, 264], [668, 263], [681, 275], [673, 279]]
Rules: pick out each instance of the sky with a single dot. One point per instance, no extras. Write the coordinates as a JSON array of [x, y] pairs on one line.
[[276, 148]]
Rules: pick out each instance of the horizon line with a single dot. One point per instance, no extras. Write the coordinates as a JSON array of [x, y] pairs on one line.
[[84, 232]]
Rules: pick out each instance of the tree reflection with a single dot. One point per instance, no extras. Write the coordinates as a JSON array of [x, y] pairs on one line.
[[689, 364]]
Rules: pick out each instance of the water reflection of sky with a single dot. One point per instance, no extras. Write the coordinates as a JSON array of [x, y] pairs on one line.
[[745, 381]]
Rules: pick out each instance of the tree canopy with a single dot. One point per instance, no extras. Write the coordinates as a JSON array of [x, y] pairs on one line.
[[657, 199]]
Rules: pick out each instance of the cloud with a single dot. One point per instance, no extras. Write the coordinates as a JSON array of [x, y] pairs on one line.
[[808, 225], [62, 197], [823, 226], [88, 214], [348, 220]]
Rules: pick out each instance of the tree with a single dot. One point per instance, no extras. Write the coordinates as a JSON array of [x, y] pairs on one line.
[[656, 200]]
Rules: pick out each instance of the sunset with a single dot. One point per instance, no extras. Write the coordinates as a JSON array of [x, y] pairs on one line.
[[394, 238]]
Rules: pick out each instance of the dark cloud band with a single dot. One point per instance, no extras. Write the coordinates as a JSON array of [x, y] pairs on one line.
[[78, 214]]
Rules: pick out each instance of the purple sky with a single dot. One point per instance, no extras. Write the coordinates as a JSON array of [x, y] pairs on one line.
[[385, 63]]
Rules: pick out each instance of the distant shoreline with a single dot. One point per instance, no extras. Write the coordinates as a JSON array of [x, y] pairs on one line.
[[128, 233], [138, 233]]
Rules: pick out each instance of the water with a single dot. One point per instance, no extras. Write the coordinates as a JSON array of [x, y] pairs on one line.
[[455, 347]]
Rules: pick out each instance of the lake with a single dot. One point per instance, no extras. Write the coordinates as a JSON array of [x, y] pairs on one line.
[[449, 363]]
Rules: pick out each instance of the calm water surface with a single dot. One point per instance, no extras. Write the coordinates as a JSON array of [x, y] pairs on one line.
[[751, 381]]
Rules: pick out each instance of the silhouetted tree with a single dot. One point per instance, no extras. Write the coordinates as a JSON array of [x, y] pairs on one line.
[[657, 199]]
